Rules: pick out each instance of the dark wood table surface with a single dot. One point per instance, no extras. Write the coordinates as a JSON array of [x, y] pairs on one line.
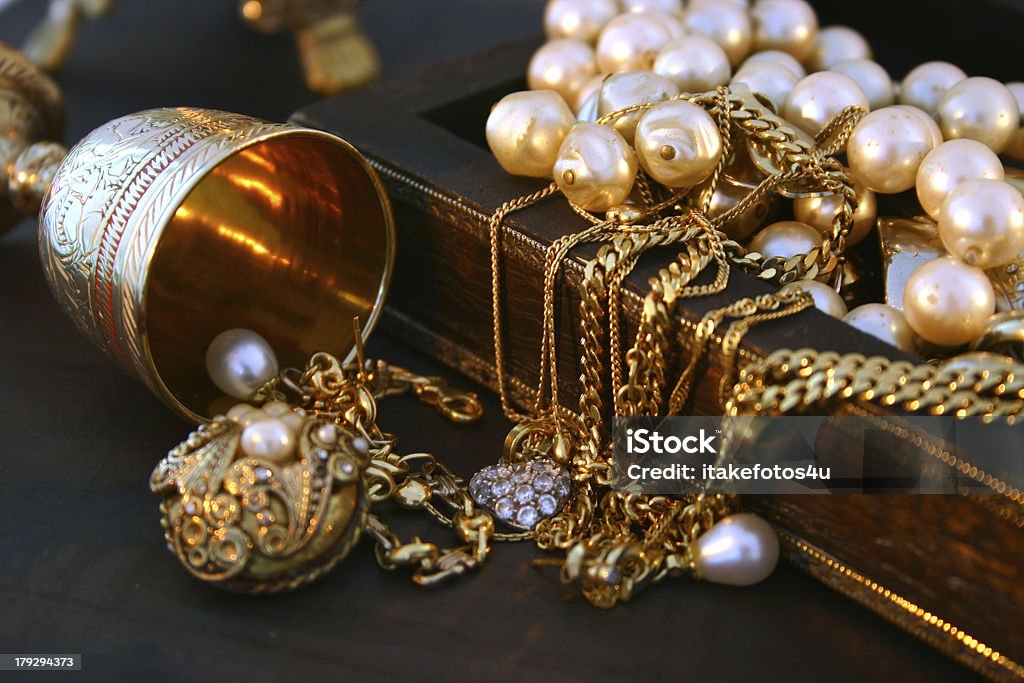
[[83, 567]]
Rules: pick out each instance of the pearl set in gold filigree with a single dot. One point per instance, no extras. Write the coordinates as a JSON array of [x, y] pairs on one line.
[[938, 131]]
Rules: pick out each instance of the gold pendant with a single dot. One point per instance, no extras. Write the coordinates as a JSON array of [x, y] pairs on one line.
[[260, 522]]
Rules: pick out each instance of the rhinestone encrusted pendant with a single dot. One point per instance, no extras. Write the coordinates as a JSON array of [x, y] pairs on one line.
[[522, 494]]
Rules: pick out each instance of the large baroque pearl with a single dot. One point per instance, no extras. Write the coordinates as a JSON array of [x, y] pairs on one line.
[[883, 322], [777, 57], [837, 44], [770, 79], [678, 144], [596, 167], [826, 299], [820, 212], [786, 239], [578, 19], [564, 66], [631, 41], [787, 25], [887, 148], [950, 164], [239, 362], [872, 78], [926, 85], [982, 223], [694, 63], [981, 109], [628, 89], [948, 302], [525, 130], [1015, 150], [725, 23], [818, 98], [740, 550]]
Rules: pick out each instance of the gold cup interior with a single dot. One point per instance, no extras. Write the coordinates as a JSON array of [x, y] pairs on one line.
[[290, 237]]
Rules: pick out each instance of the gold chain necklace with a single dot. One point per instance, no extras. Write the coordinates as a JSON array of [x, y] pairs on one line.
[[619, 542]]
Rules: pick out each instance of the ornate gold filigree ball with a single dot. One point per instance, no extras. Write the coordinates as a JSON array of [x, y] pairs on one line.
[[263, 499]]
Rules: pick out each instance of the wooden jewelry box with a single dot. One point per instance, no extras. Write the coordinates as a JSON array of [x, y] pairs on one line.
[[948, 568]]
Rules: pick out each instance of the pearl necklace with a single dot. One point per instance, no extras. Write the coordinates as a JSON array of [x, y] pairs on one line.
[[937, 131]]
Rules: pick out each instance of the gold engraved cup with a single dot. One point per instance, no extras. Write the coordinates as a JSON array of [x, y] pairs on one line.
[[164, 228]]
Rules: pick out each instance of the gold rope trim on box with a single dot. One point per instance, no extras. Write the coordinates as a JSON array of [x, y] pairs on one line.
[[904, 613]]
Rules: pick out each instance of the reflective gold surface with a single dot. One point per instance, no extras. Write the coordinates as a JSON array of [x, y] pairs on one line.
[[285, 238], [164, 228]]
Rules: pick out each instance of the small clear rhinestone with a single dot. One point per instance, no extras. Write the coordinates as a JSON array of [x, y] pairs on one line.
[[522, 476], [262, 474], [527, 516], [505, 508], [547, 505], [502, 487], [543, 483], [322, 454], [524, 494], [480, 489]]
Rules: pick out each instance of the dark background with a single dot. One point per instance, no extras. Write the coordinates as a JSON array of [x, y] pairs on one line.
[[83, 567]]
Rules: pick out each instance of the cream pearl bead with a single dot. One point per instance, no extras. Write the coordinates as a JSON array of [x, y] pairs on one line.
[[883, 322], [770, 79], [726, 24], [926, 118], [237, 412], [669, 6], [596, 167], [578, 19], [1015, 150], [948, 302], [525, 130], [276, 408], [590, 92], [270, 439], [826, 299], [872, 78], [239, 362], [589, 108], [926, 85], [982, 223], [950, 164], [887, 148], [777, 57], [628, 89], [630, 42], [694, 63], [817, 98], [838, 44], [740, 550], [678, 144], [819, 213], [790, 26], [981, 109], [785, 239], [294, 421], [564, 66]]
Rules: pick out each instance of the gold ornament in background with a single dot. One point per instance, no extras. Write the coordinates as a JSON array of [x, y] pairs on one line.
[[31, 111], [50, 43], [336, 54]]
